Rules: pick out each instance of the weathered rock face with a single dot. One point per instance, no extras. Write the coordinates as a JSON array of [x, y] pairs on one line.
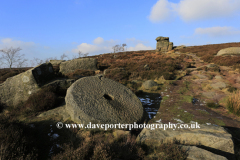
[[219, 85], [83, 63], [195, 153], [21, 86], [61, 85], [59, 111], [229, 51], [214, 137], [97, 99], [163, 44], [56, 62], [149, 84], [170, 46]]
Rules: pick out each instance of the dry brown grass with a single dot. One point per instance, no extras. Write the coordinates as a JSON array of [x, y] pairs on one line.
[[134, 62], [80, 72], [100, 146], [43, 100], [16, 141], [207, 52], [7, 73], [233, 103]]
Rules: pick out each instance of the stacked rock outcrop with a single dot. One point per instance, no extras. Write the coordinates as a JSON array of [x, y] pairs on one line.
[[163, 44]]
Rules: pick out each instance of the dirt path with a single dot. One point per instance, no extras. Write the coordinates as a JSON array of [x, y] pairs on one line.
[[177, 107]]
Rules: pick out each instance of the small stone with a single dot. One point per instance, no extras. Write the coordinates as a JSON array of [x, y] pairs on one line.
[[149, 84]]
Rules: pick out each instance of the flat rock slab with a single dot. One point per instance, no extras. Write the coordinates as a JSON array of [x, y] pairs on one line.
[[209, 94], [219, 85], [201, 76], [56, 62], [195, 153], [218, 77], [82, 63], [97, 99], [229, 51], [59, 111], [215, 137]]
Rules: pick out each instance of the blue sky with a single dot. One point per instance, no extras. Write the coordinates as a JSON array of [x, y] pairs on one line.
[[49, 28]]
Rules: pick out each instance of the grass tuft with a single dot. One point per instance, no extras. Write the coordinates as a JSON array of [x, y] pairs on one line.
[[212, 105], [43, 100], [233, 103]]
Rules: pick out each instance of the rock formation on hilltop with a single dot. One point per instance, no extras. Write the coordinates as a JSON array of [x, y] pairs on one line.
[[163, 44]]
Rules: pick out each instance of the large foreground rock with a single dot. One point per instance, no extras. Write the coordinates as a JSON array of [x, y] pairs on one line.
[[20, 87], [97, 99], [83, 63], [212, 137], [229, 51]]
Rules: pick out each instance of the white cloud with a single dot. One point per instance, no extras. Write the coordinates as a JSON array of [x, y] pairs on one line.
[[27, 48], [99, 46], [86, 48], [217, 31], [98, 40], [46, 47], [8, 42], [160, 11], [189, 10], [106, 46], [140, 46], [134, 41], [205, 9]]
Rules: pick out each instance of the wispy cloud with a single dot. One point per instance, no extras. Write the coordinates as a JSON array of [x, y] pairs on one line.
[[101, 46], [140, 46], [217, 31], [8, 42], [98, 40], [190, 10]]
